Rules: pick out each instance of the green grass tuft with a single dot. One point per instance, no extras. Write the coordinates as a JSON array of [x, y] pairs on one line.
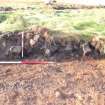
[[13, 23], [3, 17]]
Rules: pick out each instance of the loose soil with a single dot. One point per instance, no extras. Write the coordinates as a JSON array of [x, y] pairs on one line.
[[71, 83]]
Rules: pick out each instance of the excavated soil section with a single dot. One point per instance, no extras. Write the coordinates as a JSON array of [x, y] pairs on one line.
[[40, 45]]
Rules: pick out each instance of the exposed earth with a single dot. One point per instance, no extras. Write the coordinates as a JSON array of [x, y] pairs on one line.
[[71, 83], [7, 42], [39, 44]]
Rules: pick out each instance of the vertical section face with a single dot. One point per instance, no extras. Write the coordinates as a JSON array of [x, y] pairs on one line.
[[16, 46], [32, 45], [10, 46]]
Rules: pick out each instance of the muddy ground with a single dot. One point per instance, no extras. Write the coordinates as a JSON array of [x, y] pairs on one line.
[[71, 83]]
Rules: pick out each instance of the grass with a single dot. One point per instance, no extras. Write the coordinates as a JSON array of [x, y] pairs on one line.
[[13, 22], [3, 17], [84, 22]]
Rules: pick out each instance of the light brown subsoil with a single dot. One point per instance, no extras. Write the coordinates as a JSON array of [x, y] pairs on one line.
[[71, 83]]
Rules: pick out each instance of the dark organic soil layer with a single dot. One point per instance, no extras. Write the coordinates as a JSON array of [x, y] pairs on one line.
[[7, 40], [45, 47]]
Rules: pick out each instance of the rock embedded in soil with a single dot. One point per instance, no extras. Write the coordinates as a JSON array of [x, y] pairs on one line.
[[86, 49]]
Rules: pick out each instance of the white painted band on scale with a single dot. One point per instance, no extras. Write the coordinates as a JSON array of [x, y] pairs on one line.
[[26, 62], [10, 62], [22, 44]]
